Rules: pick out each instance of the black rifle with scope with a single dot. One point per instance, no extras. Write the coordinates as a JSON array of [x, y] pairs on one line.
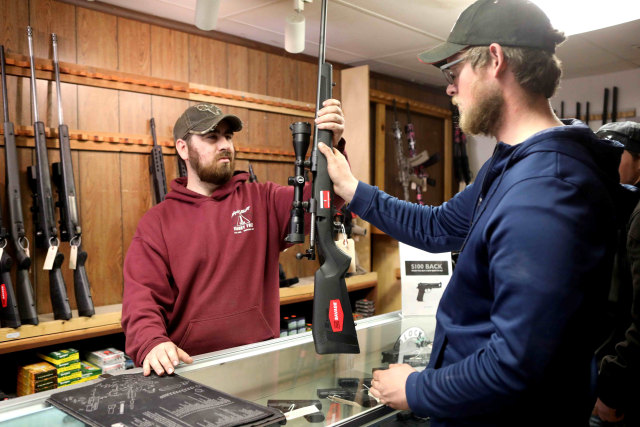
[[24, 291], [43, 206], [333, 326], [70, 230]]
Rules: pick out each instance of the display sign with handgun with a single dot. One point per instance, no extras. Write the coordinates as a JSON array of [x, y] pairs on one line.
[[424, 277]]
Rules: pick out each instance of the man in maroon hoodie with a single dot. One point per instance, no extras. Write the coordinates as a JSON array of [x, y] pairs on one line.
[[201, 273]]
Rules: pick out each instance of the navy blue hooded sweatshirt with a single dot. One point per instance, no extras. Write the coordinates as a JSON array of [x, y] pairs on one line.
[[514, 339]]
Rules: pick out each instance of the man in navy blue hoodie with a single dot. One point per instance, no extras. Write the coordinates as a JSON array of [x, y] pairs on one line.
[[514, 340]]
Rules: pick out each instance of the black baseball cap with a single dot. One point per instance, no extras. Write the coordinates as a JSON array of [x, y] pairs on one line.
[[515, 23], [627, 133], [203, 118]]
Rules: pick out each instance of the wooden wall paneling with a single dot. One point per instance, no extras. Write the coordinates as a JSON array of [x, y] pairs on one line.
[[134, 46], [169, 54], [97, 109], [257, 128], [257, 71], [14, 18], [356, 108], [282, 76], [134, 113], [207, 61], [97, 39], [307, 82], [238, 66], [18, 91], [385, 260], [136, 198], [46, 17], [102, 215]]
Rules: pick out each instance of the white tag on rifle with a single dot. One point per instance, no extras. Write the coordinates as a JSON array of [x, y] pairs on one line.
[[1, 252], [51, 256], [348, 247], [73, 257]]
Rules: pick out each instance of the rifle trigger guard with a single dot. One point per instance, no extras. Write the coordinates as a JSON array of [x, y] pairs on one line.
[[3, 243], [75, 239], [54, 239], [21, 241]]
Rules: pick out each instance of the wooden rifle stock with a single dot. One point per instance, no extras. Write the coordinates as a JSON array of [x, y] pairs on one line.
[[70, 230], [24, 290], [43, 214]]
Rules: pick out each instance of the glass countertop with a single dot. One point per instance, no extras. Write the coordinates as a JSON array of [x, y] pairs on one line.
[[285, 369]]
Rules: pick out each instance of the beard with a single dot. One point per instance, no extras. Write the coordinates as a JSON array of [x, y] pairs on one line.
[[484, 117], [213, 173]]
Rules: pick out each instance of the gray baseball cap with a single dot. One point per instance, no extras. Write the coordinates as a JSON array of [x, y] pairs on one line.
[[516, 23], [203, 118]]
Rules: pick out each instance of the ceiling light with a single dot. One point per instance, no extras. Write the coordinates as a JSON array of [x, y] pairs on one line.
[[207, 14], [580, 16], [294, 29]]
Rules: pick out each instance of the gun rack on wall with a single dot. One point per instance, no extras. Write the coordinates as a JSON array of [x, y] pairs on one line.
[[18, 65]]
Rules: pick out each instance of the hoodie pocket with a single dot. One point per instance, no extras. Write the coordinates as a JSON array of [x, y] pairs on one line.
[[225, 331]]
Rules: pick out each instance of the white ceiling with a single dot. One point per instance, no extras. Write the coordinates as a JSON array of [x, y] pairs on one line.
[[388, 34]]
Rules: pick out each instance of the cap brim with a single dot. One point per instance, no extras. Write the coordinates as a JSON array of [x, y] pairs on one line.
[[205, 127], [440, 53]]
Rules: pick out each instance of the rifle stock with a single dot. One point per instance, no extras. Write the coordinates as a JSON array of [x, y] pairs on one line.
[[333, 326], [43, 213], [70, 230], [24, 290]]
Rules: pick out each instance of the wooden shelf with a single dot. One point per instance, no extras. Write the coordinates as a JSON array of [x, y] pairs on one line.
[[48, 332], [107, 319], [303, 291]]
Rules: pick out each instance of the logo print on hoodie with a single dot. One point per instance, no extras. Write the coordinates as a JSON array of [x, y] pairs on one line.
[[243, 221]]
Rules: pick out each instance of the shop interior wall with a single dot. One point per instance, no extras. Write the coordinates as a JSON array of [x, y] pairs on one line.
[[429, 135], [114, 187]]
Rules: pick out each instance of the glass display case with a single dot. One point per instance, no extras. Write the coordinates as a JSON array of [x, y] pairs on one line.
[[284, 369]]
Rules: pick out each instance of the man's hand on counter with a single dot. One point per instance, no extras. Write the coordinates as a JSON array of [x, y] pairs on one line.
[[164, 358], [388, 385]]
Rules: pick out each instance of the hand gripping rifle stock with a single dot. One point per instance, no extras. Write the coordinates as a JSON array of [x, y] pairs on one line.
[[333, 326], [24, 291], [43, 214], [70, 230]]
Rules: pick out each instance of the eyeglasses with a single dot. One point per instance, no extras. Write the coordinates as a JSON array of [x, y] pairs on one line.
[[447, 72]]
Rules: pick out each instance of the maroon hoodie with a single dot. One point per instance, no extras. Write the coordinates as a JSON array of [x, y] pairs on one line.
[[203, 271]]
